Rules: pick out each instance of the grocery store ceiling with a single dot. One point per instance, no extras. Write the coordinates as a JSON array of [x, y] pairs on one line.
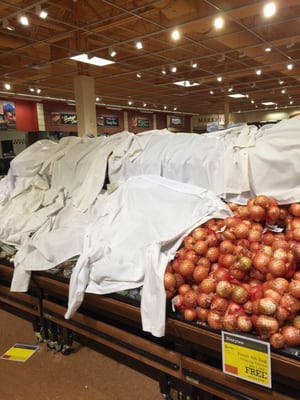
[[37, 56]]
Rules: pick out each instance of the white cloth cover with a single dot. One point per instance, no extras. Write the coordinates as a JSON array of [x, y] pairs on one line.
[[52, 205]]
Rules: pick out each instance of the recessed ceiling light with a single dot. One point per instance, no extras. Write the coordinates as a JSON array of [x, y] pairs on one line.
[[194, 64], [139, 44], [258, 72], [186, 83], [99, 62], [219, 79], [219, 23], [269, 9], [237, 95], [211, 92], [175, 35], [138, 75], [290, 66], [268, 49], [163, 71], [165, 107], [174, 69], [7, 86]]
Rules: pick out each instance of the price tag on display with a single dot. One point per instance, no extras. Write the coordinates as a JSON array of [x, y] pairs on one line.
[[247, 358]]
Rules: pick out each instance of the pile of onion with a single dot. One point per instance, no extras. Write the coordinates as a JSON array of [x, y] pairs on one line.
[[242, 273]]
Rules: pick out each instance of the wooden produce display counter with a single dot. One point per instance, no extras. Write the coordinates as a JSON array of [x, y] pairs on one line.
[[188, 358]]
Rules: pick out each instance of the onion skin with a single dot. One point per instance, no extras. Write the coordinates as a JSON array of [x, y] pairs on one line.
[[277, 340], [169, 281], [214, 320], [244, 323], [294, 289], [291, 335], [266, 326]]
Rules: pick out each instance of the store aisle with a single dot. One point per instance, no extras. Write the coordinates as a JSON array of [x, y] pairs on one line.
[[83, 375]]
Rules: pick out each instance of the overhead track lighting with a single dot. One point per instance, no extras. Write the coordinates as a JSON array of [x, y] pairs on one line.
[[112, 52], [7, 26], [40, 12], [139, 44], [24, 20]]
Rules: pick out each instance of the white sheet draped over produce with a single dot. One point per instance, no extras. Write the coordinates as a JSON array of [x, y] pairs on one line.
[[53, 194]]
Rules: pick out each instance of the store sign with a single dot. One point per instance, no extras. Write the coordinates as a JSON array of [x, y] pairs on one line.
[[212, 118], [247, 358], [61, 118], [68, 119], [140, 122], [7, 115], [107, 121]]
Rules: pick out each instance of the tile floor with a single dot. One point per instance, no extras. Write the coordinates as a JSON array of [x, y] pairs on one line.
[[83, 375]]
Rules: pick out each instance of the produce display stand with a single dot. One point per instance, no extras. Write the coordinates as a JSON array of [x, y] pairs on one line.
[[188, 359]]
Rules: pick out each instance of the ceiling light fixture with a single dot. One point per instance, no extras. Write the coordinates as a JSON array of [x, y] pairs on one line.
[[139, 44], [173, 69], [112, 52], [194, 64], [165, 107], [258, 72], [138, 75], [237, 95], [144, 104], [219, 23], [99, 62], [186, 83], [163, 71], [268, 49], [40, 12], [175, 35], [7, 26], [7, 86], [219, 79], [269, 9], [290, 66], [268, 103], [24, 20], [211, 92]]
